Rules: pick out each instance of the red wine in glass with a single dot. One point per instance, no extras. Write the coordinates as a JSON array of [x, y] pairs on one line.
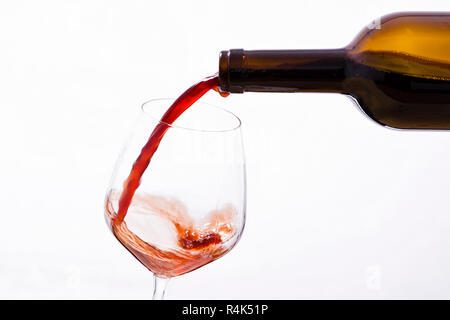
[[198, 240]]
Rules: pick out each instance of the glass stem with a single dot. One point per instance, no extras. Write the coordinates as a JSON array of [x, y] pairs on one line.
[[160, 285]]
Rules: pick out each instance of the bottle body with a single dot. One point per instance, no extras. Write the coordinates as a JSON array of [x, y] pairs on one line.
[[397, 69]]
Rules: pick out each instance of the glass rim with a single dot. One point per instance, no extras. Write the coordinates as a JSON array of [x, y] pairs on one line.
[[233, 128]]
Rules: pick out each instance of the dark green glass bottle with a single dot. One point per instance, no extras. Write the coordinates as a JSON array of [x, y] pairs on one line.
[[397, 69]]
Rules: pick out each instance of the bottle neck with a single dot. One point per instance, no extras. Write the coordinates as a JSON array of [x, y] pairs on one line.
[[282, 70]]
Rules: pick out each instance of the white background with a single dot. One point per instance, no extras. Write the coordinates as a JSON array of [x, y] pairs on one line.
[[338, 207]]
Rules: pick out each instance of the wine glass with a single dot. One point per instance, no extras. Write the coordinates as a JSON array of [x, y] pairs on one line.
[[189, 208]]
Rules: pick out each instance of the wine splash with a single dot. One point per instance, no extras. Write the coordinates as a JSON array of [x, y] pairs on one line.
[[197, 242]]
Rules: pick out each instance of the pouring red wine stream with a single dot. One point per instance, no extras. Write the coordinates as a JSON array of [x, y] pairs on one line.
[[189, 97]]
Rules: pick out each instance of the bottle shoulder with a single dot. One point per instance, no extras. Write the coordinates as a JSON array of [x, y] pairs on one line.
[[423, 34], [412, 43]]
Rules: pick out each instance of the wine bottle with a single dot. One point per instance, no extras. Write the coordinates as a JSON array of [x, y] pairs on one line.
[[397, 70]]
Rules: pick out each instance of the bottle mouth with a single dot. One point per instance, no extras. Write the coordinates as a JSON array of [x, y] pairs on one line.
[[231, 69]]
